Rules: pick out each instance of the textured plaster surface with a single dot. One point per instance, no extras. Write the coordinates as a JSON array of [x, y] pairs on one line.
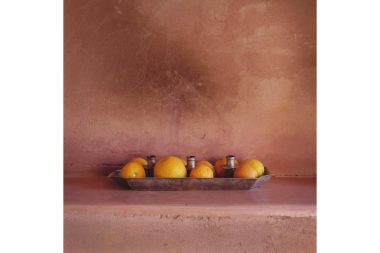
[[118, 232], [277, 197], [199, 77], [102, 217]]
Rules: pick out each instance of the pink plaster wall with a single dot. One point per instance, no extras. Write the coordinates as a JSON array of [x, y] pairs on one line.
[[200, 77]]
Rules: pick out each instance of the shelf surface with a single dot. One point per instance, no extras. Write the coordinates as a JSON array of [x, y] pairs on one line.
[[100, 216], [279, 196]]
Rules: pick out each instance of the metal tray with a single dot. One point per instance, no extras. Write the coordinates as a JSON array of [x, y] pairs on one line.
[[185, 184]]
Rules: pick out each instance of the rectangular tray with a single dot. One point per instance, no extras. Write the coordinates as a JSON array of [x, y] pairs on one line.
[[185, 184]]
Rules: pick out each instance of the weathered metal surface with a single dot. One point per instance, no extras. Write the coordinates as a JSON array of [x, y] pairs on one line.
[[184, 184]]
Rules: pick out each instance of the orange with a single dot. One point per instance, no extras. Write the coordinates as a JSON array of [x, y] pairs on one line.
[[132, 170], [255, 164], [202, 171], [184, 162], [208, 164], [219, 166], [140, 160], [246, 171], [219, 170], [170, 167]]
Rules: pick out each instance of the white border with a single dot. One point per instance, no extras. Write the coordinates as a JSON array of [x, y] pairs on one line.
[[31, 134], [31, 126], [348, 149]]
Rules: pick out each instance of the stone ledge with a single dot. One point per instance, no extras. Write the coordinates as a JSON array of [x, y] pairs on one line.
[[102, 217]]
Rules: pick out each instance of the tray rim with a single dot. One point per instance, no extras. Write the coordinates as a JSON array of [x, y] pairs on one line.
[[256, 182], [116, 174]]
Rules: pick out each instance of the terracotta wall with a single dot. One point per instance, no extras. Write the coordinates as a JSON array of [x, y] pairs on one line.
[[202, 77]]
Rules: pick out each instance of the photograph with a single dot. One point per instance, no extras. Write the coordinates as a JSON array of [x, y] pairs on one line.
[[189, 126]]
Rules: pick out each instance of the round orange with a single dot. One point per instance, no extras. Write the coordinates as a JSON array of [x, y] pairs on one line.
[[139, 160], [259, 166], [202, 171], [170, 167], [246, 171], [219, 170], [132, 170], [208, 164]]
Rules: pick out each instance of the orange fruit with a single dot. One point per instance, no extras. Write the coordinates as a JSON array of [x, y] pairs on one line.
[[140, 160], [132, 170], [208, 164], [259, 166], [219, 170], [202, 171], [219, 167], [170, 167], [184, 162], [246, 171]]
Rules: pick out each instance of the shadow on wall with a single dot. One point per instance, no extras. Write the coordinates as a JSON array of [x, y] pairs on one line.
[[188, 77], [140, 61], [145, 68]]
